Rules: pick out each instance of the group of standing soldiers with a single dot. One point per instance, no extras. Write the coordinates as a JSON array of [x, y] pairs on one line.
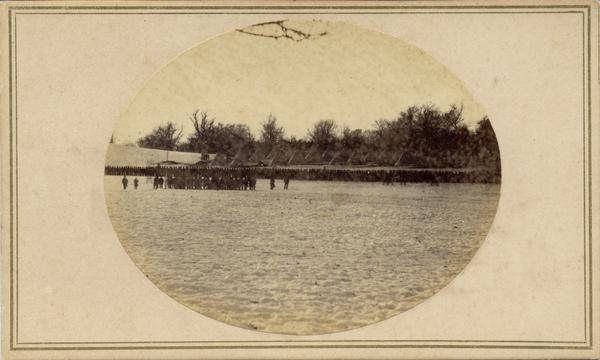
[[199, 182]]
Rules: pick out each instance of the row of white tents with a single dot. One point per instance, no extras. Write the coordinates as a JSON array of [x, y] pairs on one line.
[[133, 156]]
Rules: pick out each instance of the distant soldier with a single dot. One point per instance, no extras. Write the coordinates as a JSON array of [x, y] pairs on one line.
[[286, 181], [136, 182], [124, 182], [155, 185], [272, 182], [387, 178], [161, 181]]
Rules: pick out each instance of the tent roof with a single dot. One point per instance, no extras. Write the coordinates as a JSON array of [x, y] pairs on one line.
[[125, 155]]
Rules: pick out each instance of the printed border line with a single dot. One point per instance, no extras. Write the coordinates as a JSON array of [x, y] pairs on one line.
[[291, 345], [586, 190], [305, 346], [16, 196], [300, 7], [10, 151], [306, 13], [589, 65], [589, 185], [298, 341], [14, 267]]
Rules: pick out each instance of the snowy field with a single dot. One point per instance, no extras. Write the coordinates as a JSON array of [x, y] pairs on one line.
[[320, 257]]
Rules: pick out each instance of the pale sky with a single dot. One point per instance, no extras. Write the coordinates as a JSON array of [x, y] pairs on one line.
[[351, 75]]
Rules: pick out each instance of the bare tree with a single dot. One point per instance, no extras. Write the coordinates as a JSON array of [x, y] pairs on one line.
[[323, 134], [212, 137], [164, 137], [352, 139], [271, 133], [204, 132]]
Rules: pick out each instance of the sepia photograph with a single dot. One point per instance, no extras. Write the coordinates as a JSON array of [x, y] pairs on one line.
[[302, 177], [299, 179]]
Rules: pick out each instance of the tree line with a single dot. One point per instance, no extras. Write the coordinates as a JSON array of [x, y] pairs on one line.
[[420, 136]]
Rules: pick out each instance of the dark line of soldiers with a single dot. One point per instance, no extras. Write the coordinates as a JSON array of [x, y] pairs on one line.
[[385, 176], [188, 180]]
